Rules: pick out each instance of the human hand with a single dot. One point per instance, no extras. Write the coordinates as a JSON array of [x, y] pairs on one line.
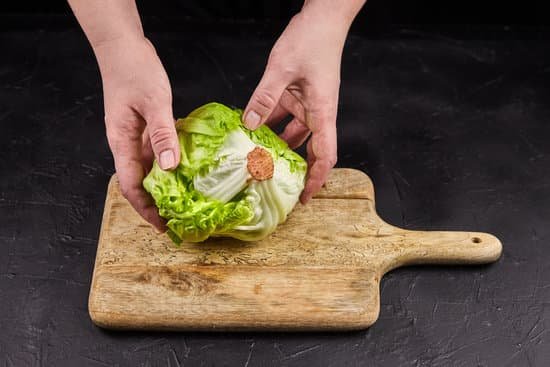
[[138, 117], [302, 79]]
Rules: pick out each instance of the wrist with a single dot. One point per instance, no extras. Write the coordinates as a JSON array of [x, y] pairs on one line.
[[339, 13], [110, 50], [117, 43], [332, 30]]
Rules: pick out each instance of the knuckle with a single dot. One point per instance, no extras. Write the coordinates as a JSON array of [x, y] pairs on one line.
[[153, 99], [111, 133], [265, 99], [120, 135], [161, 136], [332, 160], [273, 61], [164, 96], [124, 121], [159, 94], [126, 191], [113, 138], [327, 106], [131, 193], [127, 129], [282, 70]]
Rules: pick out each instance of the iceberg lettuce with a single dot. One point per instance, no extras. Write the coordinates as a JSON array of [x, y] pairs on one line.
[[231, 181]]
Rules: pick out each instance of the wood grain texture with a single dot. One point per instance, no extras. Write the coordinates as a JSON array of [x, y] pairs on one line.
[[319, 271]]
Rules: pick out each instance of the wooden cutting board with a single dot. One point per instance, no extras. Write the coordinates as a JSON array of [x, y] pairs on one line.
[[320, 270]]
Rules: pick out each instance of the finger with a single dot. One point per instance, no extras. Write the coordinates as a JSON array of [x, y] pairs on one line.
[[322, 155], [310, 157], [147, 155], [289, 104], [264, 99], [291, 101], [162, 133], [295, 133], [278, 114], [126, 146], [130, 173]]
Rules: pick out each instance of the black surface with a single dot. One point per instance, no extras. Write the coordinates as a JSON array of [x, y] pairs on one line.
[[382, 12], [453, 133]]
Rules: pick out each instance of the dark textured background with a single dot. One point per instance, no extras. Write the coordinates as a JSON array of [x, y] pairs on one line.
[[453, 129], [380, 11], [378, 16]]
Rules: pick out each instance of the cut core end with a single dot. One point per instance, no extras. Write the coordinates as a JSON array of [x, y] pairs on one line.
[[260, 164]]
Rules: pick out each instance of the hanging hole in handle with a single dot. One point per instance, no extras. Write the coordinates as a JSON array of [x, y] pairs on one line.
[[476, 240]]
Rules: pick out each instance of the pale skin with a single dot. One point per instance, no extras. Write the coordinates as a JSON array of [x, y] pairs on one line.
[[301, 79]]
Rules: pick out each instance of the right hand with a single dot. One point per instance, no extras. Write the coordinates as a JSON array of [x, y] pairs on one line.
[[302, 79], [138, 117]]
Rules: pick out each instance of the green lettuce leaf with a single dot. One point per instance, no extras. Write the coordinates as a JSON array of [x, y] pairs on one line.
[[211, 192]]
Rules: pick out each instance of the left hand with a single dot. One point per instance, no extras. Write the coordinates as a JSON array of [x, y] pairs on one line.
[[302, 79]]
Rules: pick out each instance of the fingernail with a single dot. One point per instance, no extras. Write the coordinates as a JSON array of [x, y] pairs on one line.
[[166, 159], [252, 119]]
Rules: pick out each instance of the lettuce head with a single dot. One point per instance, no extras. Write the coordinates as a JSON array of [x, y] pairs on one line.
[[230, 182]]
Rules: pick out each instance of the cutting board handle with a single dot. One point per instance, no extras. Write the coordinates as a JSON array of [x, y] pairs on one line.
[[445, 247]]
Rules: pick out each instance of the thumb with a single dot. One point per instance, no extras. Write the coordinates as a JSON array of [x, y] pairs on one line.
[[264, 99], [164, 139]]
